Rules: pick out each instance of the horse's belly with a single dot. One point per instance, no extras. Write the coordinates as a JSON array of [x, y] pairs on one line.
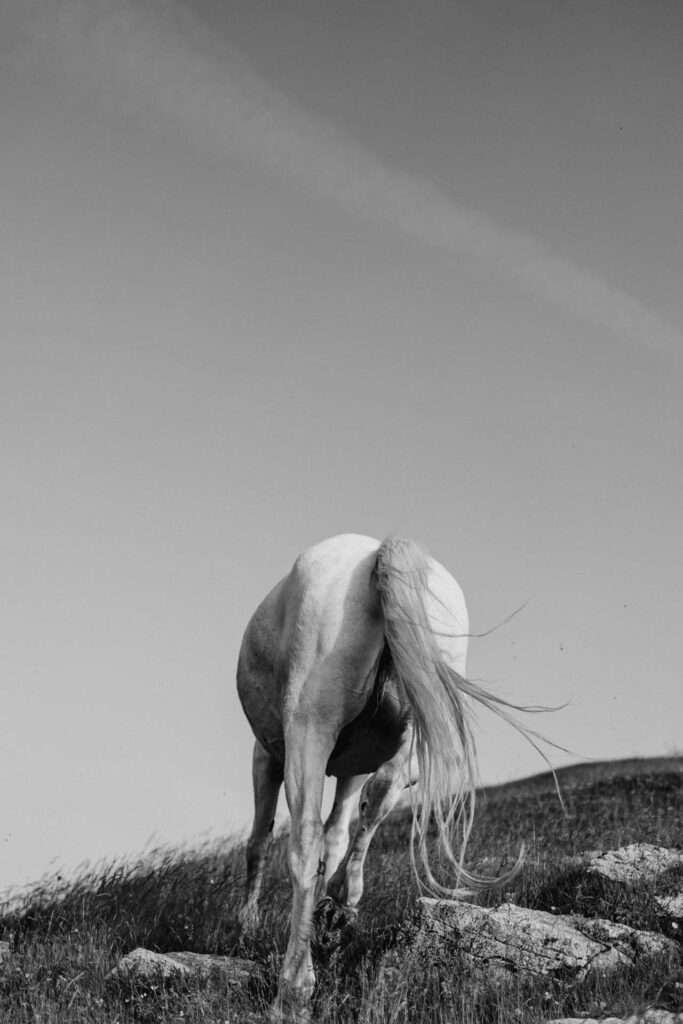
[[364, 745], [366, 751]]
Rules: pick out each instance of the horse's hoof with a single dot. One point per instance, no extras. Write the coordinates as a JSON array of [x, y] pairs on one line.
[[290, 1012], [324, 909], [278, 1016], [334, 925]]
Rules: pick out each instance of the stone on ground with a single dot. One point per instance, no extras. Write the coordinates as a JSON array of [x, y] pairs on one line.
[[639, 862], [144, 966], [511, 939]]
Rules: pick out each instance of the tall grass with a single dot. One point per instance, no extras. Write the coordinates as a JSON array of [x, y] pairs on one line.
[[67, 935]]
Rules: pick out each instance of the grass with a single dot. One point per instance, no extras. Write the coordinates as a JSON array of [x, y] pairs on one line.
[[67, 935]]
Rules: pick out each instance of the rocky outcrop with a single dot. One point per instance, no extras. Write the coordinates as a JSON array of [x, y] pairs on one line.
[[656, 870], [509, 939]]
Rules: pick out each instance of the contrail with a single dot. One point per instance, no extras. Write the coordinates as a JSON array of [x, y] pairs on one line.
[[156, 56]]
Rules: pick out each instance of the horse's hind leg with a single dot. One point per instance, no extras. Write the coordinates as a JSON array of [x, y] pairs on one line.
[[307, 750], [267, 774], [378, 797]]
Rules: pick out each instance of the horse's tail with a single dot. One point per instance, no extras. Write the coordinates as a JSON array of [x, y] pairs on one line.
[[440, 703]]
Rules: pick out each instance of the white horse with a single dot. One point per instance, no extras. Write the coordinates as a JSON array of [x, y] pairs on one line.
[[354, 666]]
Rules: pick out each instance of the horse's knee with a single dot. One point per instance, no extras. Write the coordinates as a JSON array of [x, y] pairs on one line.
[[336, 836], [336, 844]]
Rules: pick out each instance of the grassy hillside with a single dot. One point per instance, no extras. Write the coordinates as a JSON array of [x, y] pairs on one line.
[[66, 936]]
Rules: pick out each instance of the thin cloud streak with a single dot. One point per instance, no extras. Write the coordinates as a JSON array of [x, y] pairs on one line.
[[159, 57]]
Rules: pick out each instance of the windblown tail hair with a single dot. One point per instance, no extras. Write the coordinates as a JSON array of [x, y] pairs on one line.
[[442, 716]]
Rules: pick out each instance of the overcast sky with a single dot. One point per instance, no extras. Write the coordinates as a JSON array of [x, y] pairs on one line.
[[275, 271]]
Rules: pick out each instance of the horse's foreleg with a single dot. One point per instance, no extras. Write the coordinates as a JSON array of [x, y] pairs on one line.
[[337, 826], [378, 797], [337, 834], [267, 776]]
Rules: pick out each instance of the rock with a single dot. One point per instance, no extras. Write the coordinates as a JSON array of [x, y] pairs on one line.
[[597, 875], [144, 966], [648, 1017], [634, 942], [4, 951], [639, 862], [511, 939]]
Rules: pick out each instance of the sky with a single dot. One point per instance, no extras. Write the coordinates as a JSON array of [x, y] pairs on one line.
[[276, 271]]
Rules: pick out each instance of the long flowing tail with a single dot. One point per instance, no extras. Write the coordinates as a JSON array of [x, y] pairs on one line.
[[440, 700]]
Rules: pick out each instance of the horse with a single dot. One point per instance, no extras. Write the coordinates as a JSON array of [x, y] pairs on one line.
[[354, 666]]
